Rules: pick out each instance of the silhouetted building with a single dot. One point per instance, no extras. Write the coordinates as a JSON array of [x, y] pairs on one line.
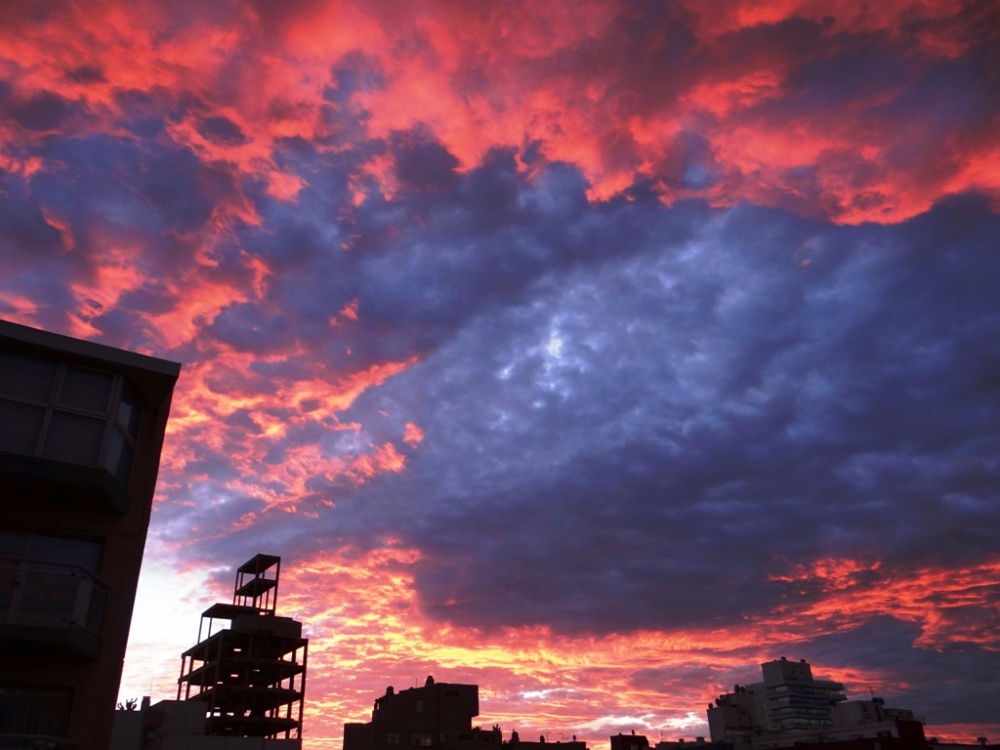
[[243, 684], [698, 743], [81, 428], [982, 743], [516, 743], [543, 744], [180, 725], [249, 677], [631, 741], [437, 715], [791, 708]]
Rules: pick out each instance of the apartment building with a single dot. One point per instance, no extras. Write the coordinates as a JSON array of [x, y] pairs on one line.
[[81, 429]]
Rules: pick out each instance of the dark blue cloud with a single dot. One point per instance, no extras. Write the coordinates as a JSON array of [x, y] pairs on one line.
[[222, 130], [41, 112], [700, 413]]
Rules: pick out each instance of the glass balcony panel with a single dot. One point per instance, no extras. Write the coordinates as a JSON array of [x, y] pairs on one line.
[[34, 711], [119, 457], [74, 439], [13, 543], [129, 411], [86, 389], [96, 610], [22, 424], [49, 596], [26, 377], [124, 467]]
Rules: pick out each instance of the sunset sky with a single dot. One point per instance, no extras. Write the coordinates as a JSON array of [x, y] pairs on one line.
[[590, 352]]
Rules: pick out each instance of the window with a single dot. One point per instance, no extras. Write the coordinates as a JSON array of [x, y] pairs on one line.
[[67, 413], [421, 739], [34, 710]]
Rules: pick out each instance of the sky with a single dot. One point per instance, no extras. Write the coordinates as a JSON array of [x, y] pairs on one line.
[[590, 352]]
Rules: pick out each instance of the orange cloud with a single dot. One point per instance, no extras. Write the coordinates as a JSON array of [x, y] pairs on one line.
[[483, 76], [412, 434], [938, 599]]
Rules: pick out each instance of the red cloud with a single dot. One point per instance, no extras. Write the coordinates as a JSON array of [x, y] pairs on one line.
[[571, 81], [413, 435]]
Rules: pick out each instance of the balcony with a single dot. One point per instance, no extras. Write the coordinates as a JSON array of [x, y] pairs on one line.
[[34, 742], [30, 479], [49, 608]]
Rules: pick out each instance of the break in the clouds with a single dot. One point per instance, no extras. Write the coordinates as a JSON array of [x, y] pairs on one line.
[[592, 353]]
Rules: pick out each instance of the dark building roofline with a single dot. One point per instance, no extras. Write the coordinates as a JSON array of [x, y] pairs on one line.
[[155, 377], [88, 349]]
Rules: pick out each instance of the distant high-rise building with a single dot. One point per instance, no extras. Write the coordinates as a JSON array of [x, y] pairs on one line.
[[81, 428], [791, 707], [791, 698]]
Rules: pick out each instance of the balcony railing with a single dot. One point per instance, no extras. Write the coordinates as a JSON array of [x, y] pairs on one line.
[[50, 602]]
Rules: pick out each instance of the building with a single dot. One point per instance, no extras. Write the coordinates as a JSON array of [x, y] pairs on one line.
[[629, 741], [180, 725], [437, 715], [249, 677], [792, 699], [698, 743], [792, 708], [242, 685], [81, 428], [789, 699], [516, 743]]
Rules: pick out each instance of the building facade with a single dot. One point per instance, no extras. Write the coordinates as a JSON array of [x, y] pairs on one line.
[[792, 708], [436, 715], [81, 429]]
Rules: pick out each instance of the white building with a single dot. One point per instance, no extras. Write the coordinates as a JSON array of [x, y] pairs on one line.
[[790, 706]]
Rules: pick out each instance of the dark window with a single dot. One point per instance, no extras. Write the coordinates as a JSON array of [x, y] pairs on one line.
[[68, 413], [26, 377], [74, 438], [86, 390], [22, 426], [34, 710]]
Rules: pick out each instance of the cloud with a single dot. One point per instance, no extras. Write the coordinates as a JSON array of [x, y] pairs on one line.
[[652, 443]]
